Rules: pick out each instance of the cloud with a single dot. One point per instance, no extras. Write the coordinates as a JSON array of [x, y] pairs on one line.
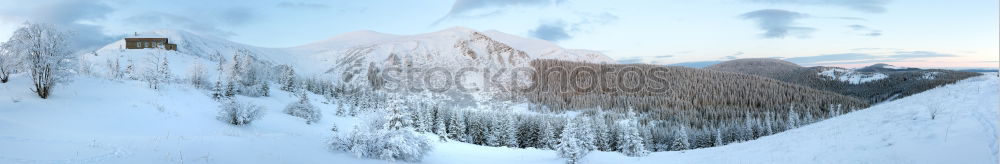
[[734, 56], [465, 8], [871, 6], [696, 64], [861, 58], [830, 58], [646, 59], [237, 16], [559, 30], [161, 20], [865, 31], [588, 20], [68, 15], [919, 54], [778, 23], [302, 5], [847, 18], [552, 31]]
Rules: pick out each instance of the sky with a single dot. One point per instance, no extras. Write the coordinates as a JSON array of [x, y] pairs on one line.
[[848, 33]]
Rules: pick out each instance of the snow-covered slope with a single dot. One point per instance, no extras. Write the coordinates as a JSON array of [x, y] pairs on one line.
[[541, 49], [900, 131], [449, 48], [851, 76], [93, 120]]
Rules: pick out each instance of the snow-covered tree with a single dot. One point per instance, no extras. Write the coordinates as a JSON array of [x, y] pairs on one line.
[[44, 51], [456, 126], [718, 138], [509, 130], [393, 140], [793, 118], [439, 126], [197, 75], [115, 69], [630, 142], [304, 109], [8, 63], [547, 135], [602, 134], [159, 73], [287, 79], [218, 90], [340, 108], [681, 140], [164, 70], [571, 146], [130, 70], [486, 129], [245, 75]]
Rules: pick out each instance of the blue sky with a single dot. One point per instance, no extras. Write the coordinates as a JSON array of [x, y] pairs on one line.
[[918, 33]]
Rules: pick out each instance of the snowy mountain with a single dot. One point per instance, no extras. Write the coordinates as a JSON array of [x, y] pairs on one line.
[[450, 48]]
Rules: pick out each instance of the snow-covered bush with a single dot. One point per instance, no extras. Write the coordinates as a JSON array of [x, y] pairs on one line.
[[239, 113], [388, 138], [391, 145], [304, 109]]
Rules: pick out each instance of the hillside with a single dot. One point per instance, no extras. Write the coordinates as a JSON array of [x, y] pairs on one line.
[[347, 56], [177, 125], [758, 66], [875, 84], [704, 101]]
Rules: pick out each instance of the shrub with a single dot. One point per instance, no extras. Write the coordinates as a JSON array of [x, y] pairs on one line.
[[391, 145], [239, 113], [304, 109]]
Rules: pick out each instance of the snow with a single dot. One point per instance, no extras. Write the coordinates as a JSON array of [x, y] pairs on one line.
[[894, 67], [930, 75], [851, 76], [541, 49], [93, 120], [900, 131]]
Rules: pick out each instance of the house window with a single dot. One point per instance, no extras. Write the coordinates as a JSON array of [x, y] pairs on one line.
[[147, 44]]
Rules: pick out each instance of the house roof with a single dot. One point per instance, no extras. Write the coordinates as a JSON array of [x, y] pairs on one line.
[[146, 39]]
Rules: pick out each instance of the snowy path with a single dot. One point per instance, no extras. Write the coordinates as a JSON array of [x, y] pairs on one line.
[[100, 121]]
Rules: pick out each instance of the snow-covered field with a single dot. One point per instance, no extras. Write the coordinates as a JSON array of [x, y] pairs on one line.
[[93, 120]]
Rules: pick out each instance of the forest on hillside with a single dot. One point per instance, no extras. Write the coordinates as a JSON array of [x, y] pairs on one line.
[[897, 84]]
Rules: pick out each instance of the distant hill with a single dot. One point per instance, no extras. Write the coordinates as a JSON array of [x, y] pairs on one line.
[[766, 67], [875, 83], [685, 91], [697, 64]]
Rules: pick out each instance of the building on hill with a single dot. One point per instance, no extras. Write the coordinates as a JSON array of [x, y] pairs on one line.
[[143, 42]]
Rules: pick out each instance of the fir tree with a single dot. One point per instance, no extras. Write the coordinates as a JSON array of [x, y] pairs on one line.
[[630, 141], [571, 146]]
